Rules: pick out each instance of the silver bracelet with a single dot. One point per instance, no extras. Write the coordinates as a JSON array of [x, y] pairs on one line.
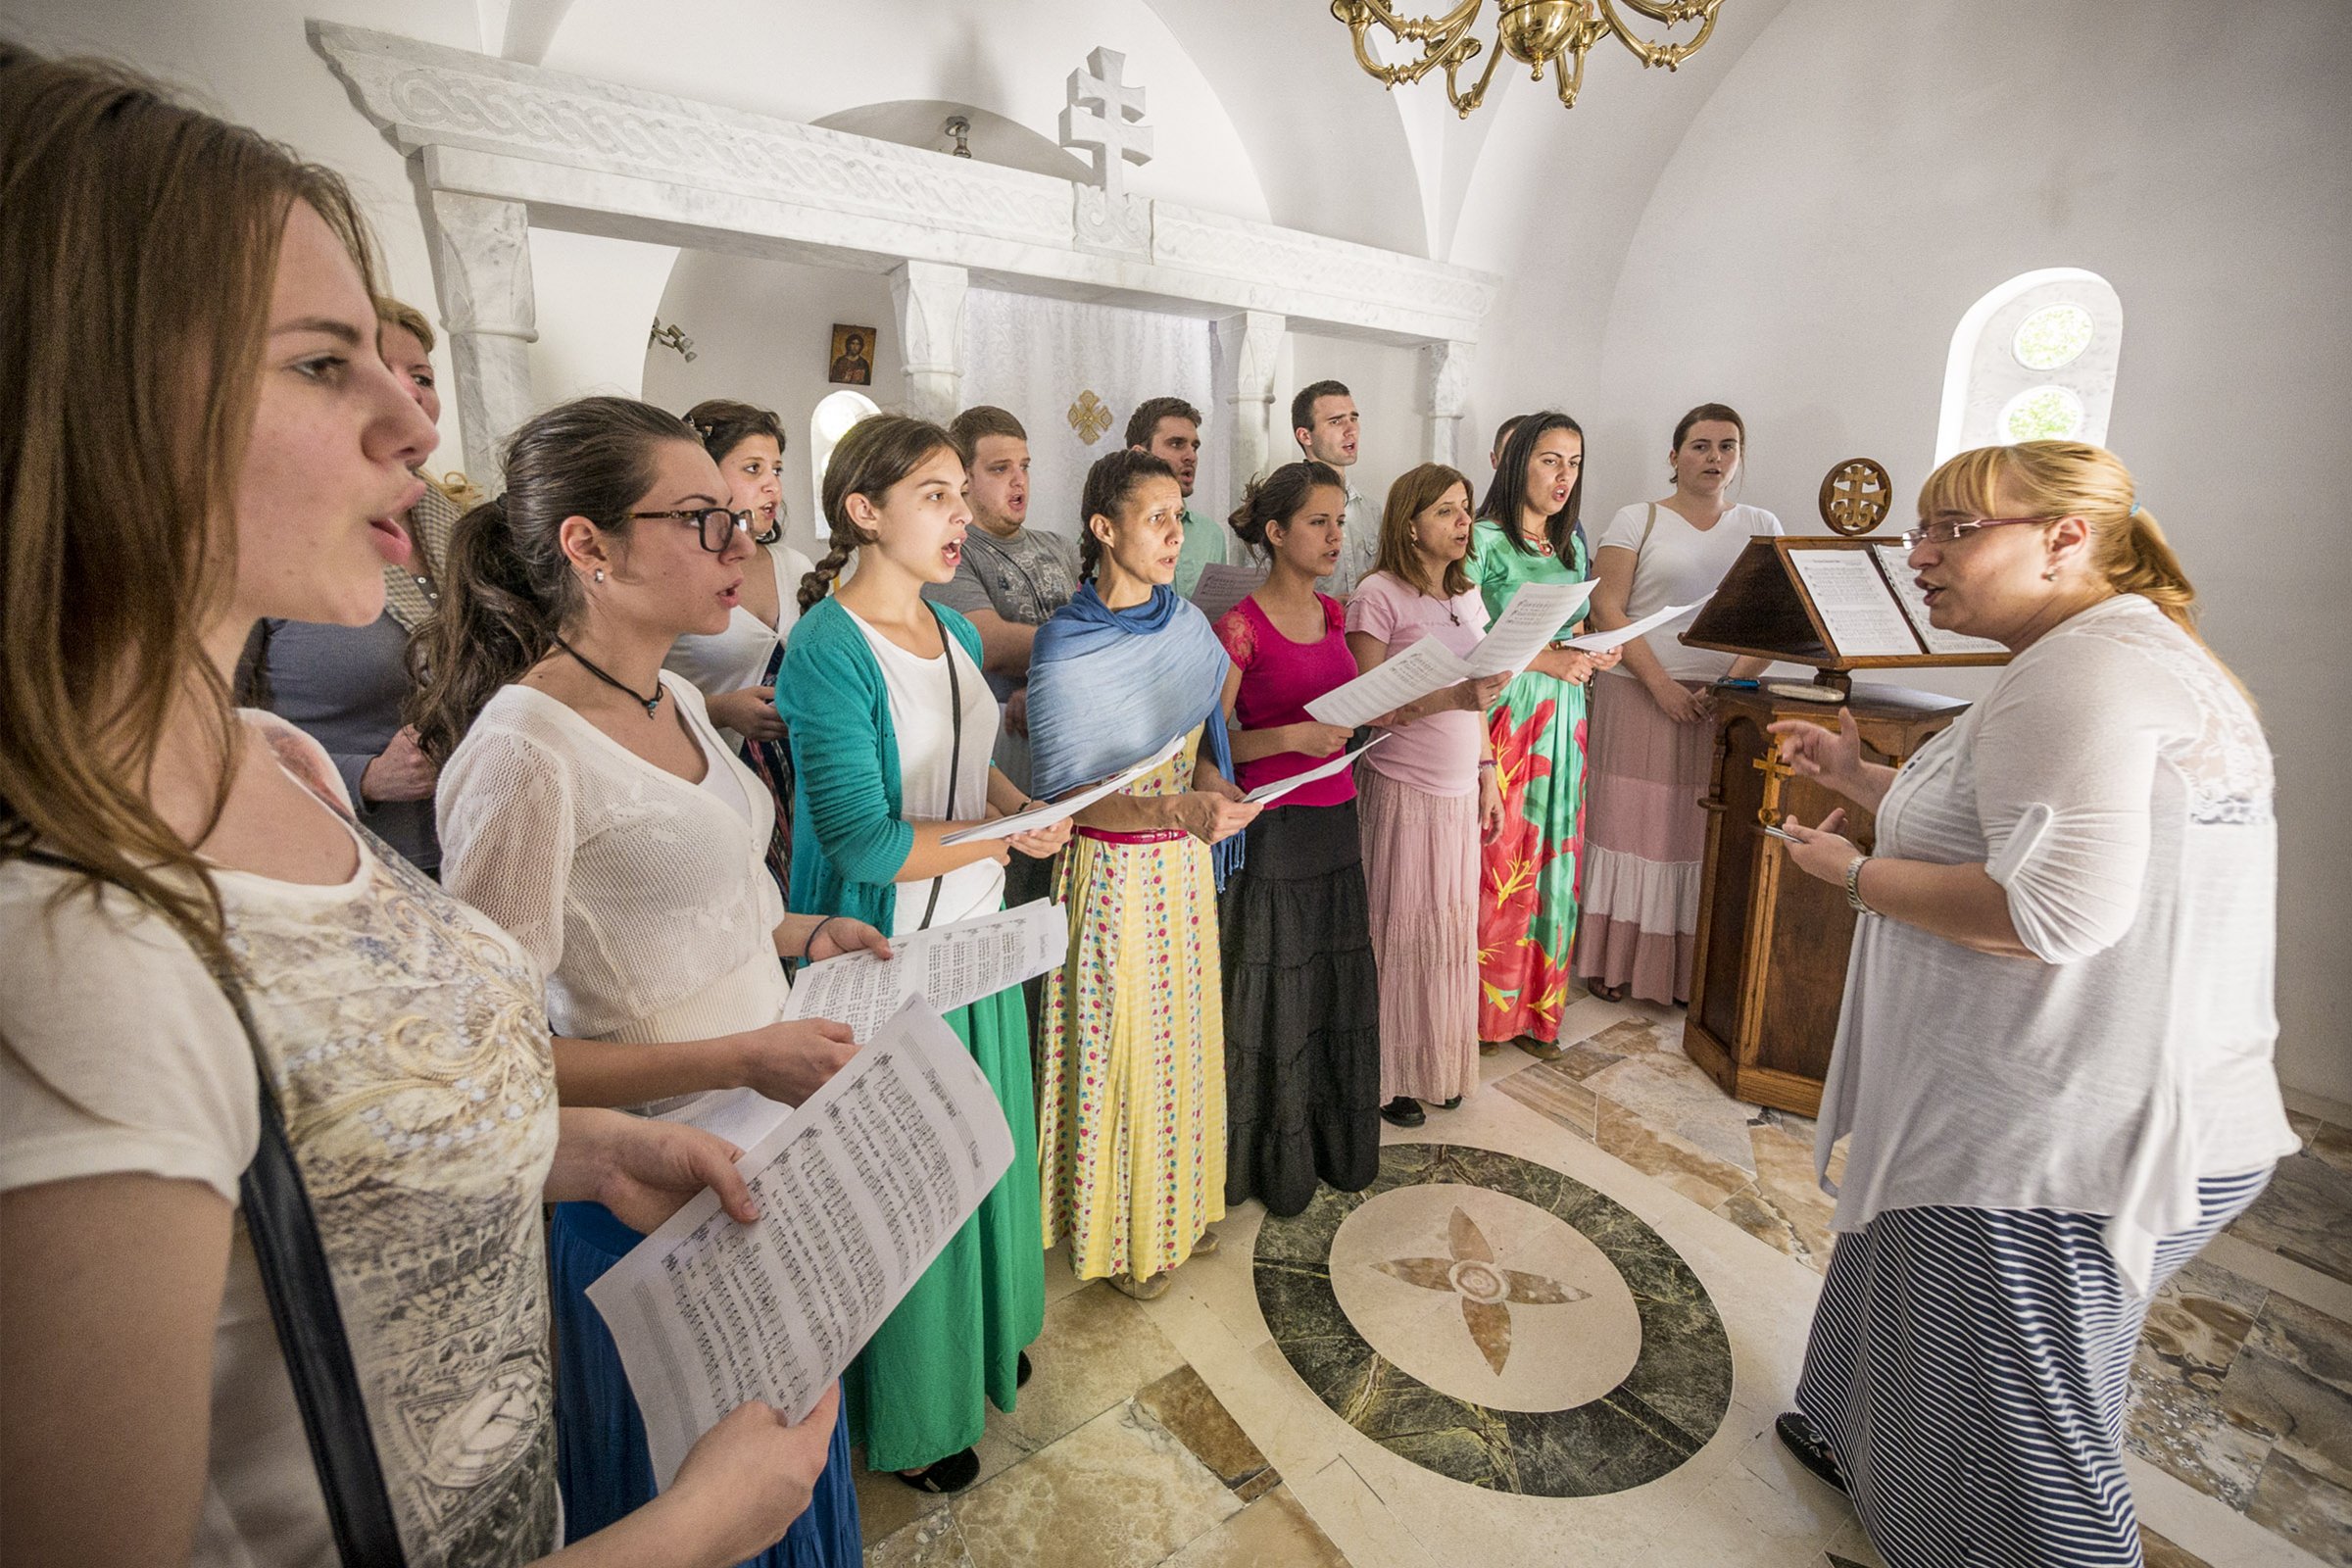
[[1854, 885]]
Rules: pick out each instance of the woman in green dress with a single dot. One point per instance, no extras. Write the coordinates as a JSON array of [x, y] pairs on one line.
[[1528, 532]]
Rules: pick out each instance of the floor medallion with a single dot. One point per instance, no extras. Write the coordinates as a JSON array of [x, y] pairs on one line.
[[1496, 1322]]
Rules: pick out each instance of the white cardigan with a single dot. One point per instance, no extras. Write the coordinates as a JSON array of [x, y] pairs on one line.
[[2119, 786], [644, 899]]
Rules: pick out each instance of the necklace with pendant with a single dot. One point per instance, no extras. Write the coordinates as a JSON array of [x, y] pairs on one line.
[[648, 704]]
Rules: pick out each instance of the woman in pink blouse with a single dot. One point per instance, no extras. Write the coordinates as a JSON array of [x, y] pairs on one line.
[[1301, 1042], [1429, 797]]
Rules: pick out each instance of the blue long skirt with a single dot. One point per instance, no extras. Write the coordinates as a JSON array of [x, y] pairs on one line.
[[602, 1463]]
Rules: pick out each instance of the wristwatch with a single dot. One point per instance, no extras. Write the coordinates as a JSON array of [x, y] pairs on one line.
[[1854, 885]]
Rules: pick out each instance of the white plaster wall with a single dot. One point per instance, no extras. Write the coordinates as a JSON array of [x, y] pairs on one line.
[[762, 332], [1807, 253], [251, 61], [596, 298], [808, 62]]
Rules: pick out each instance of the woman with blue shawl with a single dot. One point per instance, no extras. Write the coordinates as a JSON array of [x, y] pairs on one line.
[[1131, 1117]]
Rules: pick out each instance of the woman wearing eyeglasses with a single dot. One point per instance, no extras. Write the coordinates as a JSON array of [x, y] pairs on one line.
[[735, 667], [589, 806], [2054, 1060]]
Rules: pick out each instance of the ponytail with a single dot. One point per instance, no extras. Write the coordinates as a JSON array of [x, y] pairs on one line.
[[2142, 563], [508, 590]]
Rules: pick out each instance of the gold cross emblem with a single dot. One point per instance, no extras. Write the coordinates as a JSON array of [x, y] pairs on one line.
[[1089, 418]]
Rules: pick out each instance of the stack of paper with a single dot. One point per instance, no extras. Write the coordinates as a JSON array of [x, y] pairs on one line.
[[1533, 617]]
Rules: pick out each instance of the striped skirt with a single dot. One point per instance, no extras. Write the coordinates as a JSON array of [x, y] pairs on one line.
[[1969, 1368]]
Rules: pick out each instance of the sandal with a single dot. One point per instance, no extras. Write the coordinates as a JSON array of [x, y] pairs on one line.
[[1150, 1290], [1608, 993], [1797, 1436], [1206, 1244], [1021, 1370], [951, 1474]]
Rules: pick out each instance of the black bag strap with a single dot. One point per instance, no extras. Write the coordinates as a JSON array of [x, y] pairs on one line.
[[284, 1232], [947, 651]]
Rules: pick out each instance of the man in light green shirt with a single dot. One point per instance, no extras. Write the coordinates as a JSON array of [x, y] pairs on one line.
[[1169, 428]]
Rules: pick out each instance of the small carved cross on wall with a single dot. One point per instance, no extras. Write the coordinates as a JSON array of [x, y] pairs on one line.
[[1104, 117]]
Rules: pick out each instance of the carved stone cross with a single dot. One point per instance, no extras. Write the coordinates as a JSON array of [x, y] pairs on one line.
[[1104, 117]]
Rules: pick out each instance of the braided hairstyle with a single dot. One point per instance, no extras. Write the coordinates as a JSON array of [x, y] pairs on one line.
[[1109, 484], [877, 453]]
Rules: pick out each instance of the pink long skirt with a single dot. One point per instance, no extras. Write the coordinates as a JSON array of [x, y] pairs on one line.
[[1645, 836], [1421, 872]]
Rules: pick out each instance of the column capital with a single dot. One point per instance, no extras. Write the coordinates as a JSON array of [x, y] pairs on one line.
[[927, 299], [482, 283], [1444, 397]]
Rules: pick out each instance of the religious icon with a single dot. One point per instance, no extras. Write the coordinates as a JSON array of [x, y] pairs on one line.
[[1089, 418], [853, 356], [1855, 496]]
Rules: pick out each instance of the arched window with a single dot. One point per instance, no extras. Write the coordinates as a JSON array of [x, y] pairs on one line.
[[835, 412], [2031, 359]]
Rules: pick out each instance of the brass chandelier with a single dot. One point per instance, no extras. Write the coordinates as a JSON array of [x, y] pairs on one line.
[[1538, 34]]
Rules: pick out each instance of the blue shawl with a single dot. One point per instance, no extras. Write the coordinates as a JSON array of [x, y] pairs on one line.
[[1110, 687]]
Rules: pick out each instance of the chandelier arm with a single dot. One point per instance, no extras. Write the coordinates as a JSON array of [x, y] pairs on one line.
[[1669, 55], [1571, 82], [1441, 38], [1464, 103]]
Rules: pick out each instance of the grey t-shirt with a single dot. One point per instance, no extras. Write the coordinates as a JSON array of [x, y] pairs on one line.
[[343, 686], [1024, 579]]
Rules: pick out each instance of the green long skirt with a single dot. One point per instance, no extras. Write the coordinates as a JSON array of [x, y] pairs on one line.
[[920, 1388]]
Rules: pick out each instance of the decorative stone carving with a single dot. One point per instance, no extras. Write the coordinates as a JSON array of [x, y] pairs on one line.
[[1249, 347], [1444, 398], [1105, 119], [482, 278], [928, 299]]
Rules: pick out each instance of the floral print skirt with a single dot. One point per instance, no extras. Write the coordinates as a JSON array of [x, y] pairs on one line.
[[1528, 877]]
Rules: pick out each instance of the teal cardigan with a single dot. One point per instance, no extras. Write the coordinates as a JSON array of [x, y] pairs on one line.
[[849, 836]]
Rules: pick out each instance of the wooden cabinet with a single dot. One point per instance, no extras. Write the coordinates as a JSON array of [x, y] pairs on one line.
[[1768, 973]]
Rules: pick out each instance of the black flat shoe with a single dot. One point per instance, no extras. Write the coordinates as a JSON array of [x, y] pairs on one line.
[[1455, 1104], [1405, 1111], [1797, 1436], [951, 1474], [1020, 1371]]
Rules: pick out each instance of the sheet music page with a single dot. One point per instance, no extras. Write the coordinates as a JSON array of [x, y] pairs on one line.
[[1005, 827], [1601, 642], [1534, 616], [859, 1191], [1858, 609], [1268, 793], [1420, 669], [950, 966], [1222, 586], [1895, 566]]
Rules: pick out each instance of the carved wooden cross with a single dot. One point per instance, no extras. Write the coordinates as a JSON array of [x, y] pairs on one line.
[[1104, 119]]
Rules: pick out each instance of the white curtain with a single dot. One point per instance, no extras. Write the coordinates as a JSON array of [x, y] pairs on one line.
[[1040, 358]]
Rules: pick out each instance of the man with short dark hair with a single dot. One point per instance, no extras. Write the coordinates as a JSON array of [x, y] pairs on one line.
[[1012, 577], [1502, 436], [1169, 428], [1325, 424]]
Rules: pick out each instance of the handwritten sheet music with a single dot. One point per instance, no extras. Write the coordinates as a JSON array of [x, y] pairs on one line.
[[1268, 793], [1601, 642], [950, 966], [1895, 566], [1534, 616], [859, 1191], [1857, 609], [1005, 827]]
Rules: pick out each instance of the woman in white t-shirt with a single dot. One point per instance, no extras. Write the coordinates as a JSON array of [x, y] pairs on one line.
[[1645, 832], [735, 666], [150, 837], [588, 804]]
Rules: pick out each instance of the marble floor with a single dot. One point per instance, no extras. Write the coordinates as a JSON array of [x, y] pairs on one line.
[[1556, 1329]]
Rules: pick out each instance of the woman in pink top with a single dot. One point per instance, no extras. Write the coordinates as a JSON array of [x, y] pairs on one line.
[[1301, 1041], [1429, 797]]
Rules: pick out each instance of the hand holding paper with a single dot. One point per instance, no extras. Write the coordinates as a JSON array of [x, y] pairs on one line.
[[950, 966], [1069, 805], [1268, 793], [1535, 614]]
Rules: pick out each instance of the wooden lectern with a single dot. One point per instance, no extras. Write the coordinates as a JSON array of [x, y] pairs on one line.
[[1768, 974]]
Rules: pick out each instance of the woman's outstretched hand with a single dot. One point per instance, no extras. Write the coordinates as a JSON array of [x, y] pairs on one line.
[[1824, 851]]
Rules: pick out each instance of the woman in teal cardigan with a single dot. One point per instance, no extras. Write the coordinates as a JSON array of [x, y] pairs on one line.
[[891, 727]]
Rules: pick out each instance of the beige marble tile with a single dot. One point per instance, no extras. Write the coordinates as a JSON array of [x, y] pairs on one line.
[[1670, 1159], [2308, 1421], [2281, 1276], [1624, 1035], [1119, 1492], [1550, 1092], [930, 1542], [1850, 1547], [1274, 1530], [1500, 1065], [2314, 1341], [2204, 1524], [1671, 1095], [2304, 1509], [1098, 1349], [1059, 1280], [1184, 1404], [2158, 1552], [2330, 1144], [886, 1505], [1781, 1497], [1337, 1500], [2301, 1215]]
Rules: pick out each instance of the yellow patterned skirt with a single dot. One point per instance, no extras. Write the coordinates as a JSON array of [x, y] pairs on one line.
[[1131, 1115]]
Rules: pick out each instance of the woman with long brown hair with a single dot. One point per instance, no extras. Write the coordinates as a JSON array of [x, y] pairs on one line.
[[2053, 1070], [198, 433]]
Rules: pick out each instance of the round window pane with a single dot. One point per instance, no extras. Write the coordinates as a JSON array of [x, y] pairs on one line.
[[2054, 336], [2043, 414]]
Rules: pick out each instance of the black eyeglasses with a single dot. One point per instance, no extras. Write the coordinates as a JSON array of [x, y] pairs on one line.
[[716, 524]]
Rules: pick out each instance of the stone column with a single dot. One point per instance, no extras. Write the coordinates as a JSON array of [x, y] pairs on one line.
[[928, 300], [1445, 396], [1246, 348], [482, 273]]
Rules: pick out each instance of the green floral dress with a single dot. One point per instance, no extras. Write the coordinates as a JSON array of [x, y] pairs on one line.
[[1528, 876]]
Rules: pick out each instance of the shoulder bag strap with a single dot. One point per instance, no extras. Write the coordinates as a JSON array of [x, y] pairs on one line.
[[947, 651], [284, 1231]]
